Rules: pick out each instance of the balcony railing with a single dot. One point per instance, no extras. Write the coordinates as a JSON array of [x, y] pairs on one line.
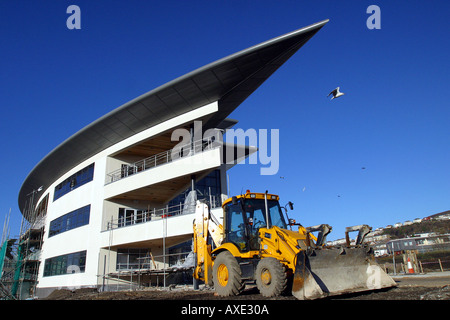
[[157, 214], [171, 155]]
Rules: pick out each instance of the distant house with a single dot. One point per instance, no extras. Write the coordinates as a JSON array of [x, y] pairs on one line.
[[374, 237], [337, 242], [422, 242], [445, 215], [431, 238], [398, 224], [401, 245], [380, 249]]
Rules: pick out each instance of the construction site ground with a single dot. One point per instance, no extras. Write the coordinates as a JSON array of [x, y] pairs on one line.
[[431, 286]]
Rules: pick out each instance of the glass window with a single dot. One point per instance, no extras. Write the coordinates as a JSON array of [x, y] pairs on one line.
[[65, 264], [74, 181], [236, 226], [276, 214], [69, 221], [132, 258], [128, 217], [256, 208], [207, 188], [242, 230], [122, 260]]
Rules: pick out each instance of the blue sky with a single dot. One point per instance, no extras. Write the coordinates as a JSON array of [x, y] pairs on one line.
[[393, 120]]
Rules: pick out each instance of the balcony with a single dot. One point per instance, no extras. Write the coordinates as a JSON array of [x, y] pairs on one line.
[[143, 216], [168, 156]]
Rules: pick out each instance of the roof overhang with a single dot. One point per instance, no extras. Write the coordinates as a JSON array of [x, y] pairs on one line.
[[229, 81]]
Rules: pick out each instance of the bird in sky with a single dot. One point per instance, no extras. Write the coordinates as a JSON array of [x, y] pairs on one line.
[[335, 93]]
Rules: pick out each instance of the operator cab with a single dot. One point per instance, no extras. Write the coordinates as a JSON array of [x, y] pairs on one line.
[[246, 214]]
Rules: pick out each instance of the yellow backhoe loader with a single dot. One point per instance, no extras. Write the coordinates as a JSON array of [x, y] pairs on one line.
[[253, 244]]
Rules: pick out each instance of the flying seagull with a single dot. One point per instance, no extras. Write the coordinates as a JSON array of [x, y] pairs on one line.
[[335, 93]]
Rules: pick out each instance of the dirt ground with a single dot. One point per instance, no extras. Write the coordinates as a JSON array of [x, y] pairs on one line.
[[408, 288]]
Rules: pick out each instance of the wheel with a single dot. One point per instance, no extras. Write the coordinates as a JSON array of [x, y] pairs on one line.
[[227, 275], [271, 277]]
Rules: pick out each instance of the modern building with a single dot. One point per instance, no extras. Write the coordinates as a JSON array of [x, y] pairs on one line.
[[116, 194]]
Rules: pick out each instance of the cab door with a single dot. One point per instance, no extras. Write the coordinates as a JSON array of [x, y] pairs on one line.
[[235, 226]]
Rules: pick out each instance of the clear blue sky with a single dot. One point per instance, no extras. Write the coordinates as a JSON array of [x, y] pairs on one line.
[[393, 121]]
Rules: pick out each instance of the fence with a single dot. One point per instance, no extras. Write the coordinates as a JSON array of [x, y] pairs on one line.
[[430, 266], [436, 265]]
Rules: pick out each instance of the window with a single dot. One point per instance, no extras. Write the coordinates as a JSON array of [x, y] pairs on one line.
[[69, 221], [256, 209], [207, 188], [65, 264], [235, 226], [131, 216], [74, 181], [132, 259], [179, 253]]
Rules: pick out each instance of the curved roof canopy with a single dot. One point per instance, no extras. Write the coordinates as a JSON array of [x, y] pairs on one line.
[[229, 80]]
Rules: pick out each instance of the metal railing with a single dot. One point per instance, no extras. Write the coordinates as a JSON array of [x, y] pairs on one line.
[[176, 260], [143, 216], [167, 156], [149, 215]]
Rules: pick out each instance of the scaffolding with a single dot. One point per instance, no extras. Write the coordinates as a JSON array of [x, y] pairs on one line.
[[7, 268], [7, 261], [147, 274], [20, 256], [28, 262]]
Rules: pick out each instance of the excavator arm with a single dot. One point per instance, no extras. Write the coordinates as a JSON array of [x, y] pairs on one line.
[[206, 229]]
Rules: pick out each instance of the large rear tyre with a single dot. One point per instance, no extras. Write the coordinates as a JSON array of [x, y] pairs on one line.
[[271, 277], [227, 276]]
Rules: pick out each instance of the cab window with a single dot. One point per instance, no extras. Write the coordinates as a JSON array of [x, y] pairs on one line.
[[236, 226]]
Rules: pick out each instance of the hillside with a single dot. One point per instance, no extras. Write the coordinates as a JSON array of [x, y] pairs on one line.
[[437, 226]]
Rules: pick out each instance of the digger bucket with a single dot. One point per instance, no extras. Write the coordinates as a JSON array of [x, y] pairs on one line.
[[332, 271]]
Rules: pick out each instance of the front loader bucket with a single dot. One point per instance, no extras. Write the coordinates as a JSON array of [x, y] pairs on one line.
[[333, 271]]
